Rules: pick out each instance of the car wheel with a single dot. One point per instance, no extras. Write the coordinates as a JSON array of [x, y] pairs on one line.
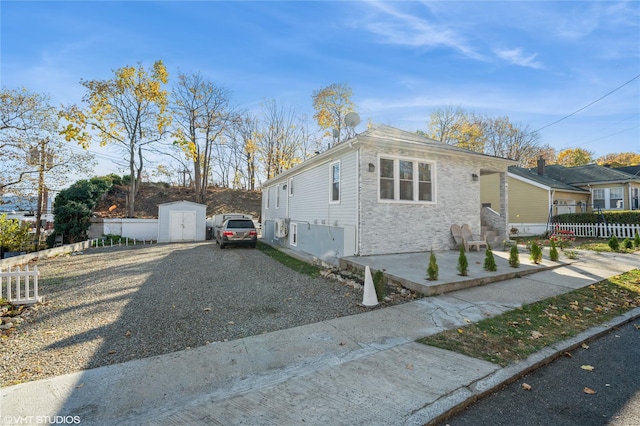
[[253, 246], [221, 246]]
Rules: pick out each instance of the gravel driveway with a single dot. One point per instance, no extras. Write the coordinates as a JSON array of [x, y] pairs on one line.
[[111, 305]]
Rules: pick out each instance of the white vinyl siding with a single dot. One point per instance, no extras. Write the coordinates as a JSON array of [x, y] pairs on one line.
[[312, 200]]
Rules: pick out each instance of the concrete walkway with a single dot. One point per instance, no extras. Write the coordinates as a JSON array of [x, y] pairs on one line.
[[362, 369]]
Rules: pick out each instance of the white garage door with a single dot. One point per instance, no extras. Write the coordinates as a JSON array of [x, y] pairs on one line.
[[182, 226]]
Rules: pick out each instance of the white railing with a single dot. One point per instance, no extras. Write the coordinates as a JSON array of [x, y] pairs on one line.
[[599, 230], [19, 286]]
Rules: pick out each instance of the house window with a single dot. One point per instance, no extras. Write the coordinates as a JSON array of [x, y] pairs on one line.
[[335, 182], [405, 180], [386, 179], [290, 187], [293, 234], [277, 196], [424, 182], [615, 198], [266, 198], [598, 198]]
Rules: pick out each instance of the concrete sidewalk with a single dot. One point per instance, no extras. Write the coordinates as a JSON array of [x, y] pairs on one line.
[[362, 369]]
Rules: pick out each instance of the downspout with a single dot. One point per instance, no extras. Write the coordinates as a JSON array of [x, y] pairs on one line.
[[358, 213]]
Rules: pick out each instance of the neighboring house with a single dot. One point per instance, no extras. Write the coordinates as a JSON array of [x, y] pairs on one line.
[[610, 189], [535, 194], [383, 191]]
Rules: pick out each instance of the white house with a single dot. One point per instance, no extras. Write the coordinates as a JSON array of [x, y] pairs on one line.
[[383, 191], [181, 221]]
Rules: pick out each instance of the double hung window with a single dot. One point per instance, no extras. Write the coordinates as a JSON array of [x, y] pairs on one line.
[[406, 180]]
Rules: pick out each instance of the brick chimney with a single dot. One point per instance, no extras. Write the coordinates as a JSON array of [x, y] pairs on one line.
[[541, 166]]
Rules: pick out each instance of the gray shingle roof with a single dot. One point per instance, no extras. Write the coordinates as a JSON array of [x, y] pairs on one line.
[[544, 180], [632, 170], [589, 173]]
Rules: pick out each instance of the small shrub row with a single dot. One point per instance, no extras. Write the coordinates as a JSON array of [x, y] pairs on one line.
[[626, 217]]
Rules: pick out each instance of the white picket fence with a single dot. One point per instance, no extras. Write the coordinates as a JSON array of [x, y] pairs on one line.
[[599, 230], [20, 286]]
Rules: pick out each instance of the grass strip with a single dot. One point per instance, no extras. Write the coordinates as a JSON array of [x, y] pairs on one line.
[[513, 336], [288, 261]]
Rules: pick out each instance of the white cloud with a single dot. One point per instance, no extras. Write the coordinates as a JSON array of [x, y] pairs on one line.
[[516, 57], [396, 27]]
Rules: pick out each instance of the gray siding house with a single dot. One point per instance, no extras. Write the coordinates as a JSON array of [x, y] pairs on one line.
[[383, 191]]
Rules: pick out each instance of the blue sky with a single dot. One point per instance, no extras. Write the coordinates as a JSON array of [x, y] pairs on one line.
[[535, 62]]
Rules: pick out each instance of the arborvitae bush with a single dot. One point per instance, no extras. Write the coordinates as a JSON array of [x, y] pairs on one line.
[[380, 285], [613, 243], [553, 252], [463, 263], [432, 270], [636, 240], [627, 244], [514, 257], [536, 253], [489, 260]]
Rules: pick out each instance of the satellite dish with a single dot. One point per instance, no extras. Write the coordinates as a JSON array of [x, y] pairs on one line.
[[352, 119], [336, 133]]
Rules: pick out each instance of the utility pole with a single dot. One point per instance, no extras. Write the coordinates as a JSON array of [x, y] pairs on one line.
[[44, 160]]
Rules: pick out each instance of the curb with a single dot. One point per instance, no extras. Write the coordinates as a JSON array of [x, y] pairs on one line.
[[463, 397]]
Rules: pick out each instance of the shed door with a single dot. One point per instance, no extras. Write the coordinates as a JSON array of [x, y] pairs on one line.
[[182, 226]]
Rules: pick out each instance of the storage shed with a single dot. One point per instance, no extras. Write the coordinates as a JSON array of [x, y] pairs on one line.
[[181, 221]]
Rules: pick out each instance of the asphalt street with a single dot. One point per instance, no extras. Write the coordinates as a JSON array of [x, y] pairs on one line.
[[558, 396]]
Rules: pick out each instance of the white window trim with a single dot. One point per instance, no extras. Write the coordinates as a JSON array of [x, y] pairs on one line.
[[331, 200], [277, 196], [266, 201], [290, 187], [293, 234], [396, 180]]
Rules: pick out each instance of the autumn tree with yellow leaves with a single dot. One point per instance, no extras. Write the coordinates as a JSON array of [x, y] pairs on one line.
[[574, 157], [621, 159], [129, 111], [331, 105]]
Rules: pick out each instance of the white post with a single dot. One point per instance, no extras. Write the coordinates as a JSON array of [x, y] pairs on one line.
[[370, 298]]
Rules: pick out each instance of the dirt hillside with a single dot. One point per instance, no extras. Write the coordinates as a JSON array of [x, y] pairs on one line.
[[219, 200]]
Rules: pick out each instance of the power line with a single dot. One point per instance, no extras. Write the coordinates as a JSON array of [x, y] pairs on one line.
[[588, 105]]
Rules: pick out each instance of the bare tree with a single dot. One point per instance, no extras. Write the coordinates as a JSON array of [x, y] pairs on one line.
[[492, 136], [281, 138], [508, 140], [201, 113], [35, 159]]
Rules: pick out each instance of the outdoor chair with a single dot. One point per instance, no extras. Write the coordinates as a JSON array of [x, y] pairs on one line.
[[457, 235], [59, 240], [472, 240]]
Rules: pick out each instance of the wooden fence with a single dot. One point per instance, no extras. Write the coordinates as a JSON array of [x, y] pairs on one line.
[[599, 230], [19, 286]]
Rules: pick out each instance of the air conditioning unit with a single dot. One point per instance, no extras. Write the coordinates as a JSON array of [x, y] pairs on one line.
[[281, 229]]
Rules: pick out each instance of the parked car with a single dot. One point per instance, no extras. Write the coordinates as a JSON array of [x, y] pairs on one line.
[[236, 232]]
